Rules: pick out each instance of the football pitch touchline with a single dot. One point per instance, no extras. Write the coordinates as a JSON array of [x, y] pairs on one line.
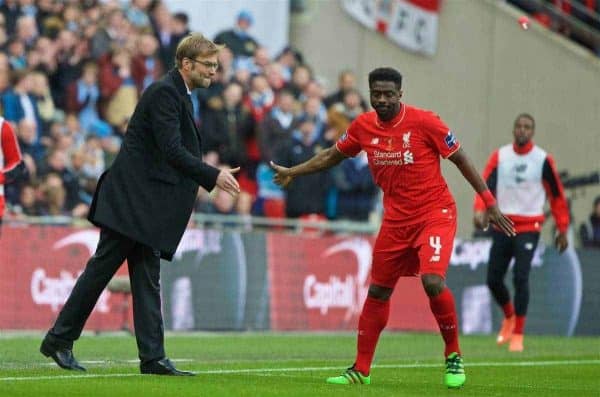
[[309, 369]]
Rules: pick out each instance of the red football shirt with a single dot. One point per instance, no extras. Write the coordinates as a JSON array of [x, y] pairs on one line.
[[404, 158]]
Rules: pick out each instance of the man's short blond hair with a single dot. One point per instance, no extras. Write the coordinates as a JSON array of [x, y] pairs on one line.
[[194, 45]]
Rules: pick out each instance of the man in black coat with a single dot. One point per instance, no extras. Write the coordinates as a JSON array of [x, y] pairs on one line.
[[142, 205]]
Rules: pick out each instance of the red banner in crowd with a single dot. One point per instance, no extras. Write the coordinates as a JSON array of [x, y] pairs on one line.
[[321, 283], [39, 267]]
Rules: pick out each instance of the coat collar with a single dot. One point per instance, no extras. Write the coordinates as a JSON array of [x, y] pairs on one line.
[[175, 75], [177, 79]]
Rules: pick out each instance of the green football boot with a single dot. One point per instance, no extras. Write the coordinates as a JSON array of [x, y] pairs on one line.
[[350, 377], [455, 371]]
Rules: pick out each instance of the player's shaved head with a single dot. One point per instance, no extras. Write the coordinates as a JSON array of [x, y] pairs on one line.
[[386, 74]]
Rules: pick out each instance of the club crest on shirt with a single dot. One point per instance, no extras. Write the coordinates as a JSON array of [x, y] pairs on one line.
[[406, 140], [450, 140], [343, 137]]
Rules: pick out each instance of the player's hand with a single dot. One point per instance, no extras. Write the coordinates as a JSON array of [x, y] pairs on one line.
[[502, 222], [227, 182], [481, 221], [561, 242], [282, 177]]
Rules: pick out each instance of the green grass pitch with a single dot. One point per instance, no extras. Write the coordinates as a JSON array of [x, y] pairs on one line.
[[296, 364]]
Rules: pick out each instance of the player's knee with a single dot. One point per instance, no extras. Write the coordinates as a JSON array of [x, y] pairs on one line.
[[379, 292], [433, 284]]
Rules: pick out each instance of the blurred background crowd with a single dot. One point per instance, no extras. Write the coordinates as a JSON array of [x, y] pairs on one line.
[[72, 71]]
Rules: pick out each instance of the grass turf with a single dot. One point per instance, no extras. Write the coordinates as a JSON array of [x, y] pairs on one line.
[[266, 364]]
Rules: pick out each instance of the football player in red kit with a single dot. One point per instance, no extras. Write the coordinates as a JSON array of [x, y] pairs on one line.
[[403, 145], [10, 158]]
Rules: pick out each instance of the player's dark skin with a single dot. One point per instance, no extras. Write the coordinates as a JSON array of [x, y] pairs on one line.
[[385, 99]]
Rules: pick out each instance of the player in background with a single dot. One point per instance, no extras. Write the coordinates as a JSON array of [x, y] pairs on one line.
[[521, 175], [10, 158], [403, 146]]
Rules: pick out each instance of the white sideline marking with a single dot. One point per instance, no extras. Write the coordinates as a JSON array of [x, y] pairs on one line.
[[309, 369]]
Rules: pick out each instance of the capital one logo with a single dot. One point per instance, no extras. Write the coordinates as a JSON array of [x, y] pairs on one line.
[[54, 291], [341, 290]]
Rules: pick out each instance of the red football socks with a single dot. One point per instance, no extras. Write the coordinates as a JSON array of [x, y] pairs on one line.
[[372, 321], [519, 325], [442, 307], [508, 309]]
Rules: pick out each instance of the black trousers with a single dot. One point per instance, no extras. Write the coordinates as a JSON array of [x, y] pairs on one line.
[[504, 248], [144, 274]]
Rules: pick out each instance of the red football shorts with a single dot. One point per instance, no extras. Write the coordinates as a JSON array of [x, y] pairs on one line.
[[422, 248]]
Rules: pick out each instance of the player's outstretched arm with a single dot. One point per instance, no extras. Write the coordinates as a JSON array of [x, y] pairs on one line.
[[321, 161], [466, 167]]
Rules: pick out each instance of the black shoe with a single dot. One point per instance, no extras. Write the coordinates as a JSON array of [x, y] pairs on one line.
[[62, 356], [164, 366]]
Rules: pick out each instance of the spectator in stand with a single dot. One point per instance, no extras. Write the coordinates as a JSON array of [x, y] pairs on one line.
[[180, 25], [19, 102], [274, 133], [26, 31], [289, 59], [137, 13], [341, 114], [10, 159], [4, 75], [276, 128], [356, 190], [112, 34], [346, 82], [117, 87], [238, 39], [303, 145], [590, 230], [70, 54], [40, 90], [57, 164], [146, 66], [53, 195], [29, 144], [28, 204], [82, 98], [313, 108], [301, 77], [274, 75], [16, 54], [227, 128], [261, 97], [11, 11]]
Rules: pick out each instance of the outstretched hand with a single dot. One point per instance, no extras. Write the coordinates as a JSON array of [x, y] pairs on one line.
[[227, 182], [502, 222], [282, 177]]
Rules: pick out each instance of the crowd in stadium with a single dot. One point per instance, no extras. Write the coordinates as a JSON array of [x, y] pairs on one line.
[[72, 71]]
